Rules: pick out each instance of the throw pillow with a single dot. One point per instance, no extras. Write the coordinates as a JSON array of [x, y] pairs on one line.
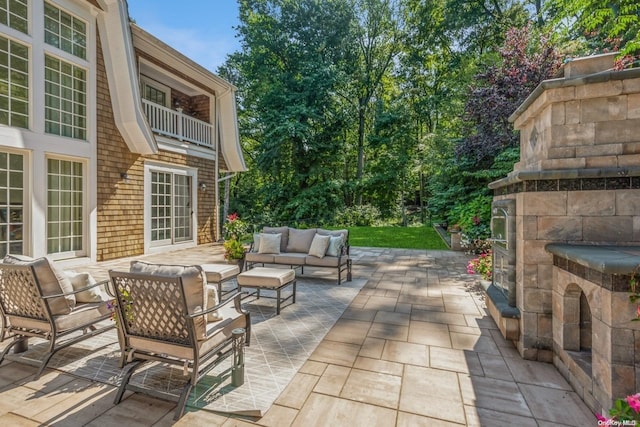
[[269, 243], [212, 301], [52, 282], [256, 242], [334, 245], [300, 240], [82, 280], [319, 246]]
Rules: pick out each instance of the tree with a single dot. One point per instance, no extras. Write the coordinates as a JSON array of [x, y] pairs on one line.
[[292, 59], [526, 61], [599, 24]]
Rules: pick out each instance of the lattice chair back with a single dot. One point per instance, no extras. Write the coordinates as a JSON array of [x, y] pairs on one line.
[[20, 293], [153, 307]]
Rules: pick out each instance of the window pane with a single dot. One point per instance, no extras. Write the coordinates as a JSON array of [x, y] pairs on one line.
[[11, 202], [14, 13], [65, 100], [65, 215], [14, 83], [65, 31]]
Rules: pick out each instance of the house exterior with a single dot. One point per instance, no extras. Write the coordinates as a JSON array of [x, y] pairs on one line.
[[112, 143]]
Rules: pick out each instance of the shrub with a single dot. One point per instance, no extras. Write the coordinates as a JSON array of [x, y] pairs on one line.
[[353, 216]]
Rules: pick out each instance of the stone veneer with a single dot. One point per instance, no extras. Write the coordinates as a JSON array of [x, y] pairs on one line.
[[578, 182], [120, 215]]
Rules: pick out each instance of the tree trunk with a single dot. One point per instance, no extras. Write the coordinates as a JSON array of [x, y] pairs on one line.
[[360, 170]]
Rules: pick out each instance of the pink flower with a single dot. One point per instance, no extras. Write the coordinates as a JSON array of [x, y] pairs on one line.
[[601, 418], [476, 220], [232, 217], [638, 312], [634, 402]]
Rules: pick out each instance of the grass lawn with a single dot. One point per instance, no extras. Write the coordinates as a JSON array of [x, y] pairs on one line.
[[396, 237]]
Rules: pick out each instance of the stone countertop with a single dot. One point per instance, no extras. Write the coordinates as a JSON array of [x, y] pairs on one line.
[[606, 259]]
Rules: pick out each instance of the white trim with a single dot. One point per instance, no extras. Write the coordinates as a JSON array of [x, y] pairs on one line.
[[175, 146], [150, 166], [119, 58]]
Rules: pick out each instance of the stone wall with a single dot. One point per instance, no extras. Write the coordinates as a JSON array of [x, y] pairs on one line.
[[578, 181]]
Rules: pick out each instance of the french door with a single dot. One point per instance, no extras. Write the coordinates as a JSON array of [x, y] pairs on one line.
[[171, 208]]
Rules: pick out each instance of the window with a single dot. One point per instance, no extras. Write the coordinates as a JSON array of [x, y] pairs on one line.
[[64, 31], [14, 83], [14, 14], [171, 208], [65, 99], [65, 205], [155, 92], [11, 203]]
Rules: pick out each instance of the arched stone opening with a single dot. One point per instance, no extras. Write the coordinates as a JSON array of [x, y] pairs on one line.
[[576, 326]]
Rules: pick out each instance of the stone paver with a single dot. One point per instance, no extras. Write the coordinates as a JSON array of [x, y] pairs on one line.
[[416, 347]]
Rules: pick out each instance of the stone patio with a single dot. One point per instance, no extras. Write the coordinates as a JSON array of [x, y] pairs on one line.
[[416, 347]]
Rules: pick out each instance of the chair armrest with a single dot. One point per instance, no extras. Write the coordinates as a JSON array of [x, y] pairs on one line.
[[234, 298], [75, 291]]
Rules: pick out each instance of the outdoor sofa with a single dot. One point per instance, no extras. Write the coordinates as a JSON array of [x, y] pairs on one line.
[[297, 248]]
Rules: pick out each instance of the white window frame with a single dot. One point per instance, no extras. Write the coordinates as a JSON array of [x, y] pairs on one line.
[[85, 218], [146, 81], [61, 112], [26, 197], [59, 34], [163, 246]]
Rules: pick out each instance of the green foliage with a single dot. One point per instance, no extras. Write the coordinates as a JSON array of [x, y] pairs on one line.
[[364, 215], [233, 249]]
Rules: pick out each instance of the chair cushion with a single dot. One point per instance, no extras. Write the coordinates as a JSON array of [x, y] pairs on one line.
[[319, 245], [259, 258], [300, 240], [270, 243], [51, 280], [284, 231], [193, 282], [293, 258], [82, 280], [328, 261], [82, 314], [216, 334]]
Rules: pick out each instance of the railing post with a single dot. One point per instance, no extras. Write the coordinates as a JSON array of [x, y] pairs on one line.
[[180, 121]]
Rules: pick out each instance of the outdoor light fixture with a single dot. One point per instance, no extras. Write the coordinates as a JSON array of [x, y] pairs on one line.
[[202, 186], [124, 176]]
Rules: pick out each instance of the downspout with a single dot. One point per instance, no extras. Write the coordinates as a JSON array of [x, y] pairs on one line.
[[217, 164]]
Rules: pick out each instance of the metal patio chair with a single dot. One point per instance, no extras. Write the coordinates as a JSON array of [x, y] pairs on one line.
[[161, 318], [33, 304]]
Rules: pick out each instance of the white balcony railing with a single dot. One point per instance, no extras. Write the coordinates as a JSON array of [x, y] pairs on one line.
[[178, 125]]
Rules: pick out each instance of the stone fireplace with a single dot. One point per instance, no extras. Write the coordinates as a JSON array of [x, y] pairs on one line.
[[575, 198]]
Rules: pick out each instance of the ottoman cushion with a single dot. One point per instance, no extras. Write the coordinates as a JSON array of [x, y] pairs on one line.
[[266, 277], [220, 272]]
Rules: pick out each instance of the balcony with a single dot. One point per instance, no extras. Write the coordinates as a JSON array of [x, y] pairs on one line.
[[177, 125]]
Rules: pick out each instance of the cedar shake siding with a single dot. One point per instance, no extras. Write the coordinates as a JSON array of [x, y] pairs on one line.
[[120, 204]]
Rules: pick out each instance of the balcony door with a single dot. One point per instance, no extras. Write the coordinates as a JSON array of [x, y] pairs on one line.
[[171, 207]]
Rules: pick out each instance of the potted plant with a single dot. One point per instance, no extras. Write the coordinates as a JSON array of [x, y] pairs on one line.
[[233, 248]]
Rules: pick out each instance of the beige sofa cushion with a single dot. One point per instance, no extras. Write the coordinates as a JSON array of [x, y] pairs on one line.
[[193, 282], [300, 240], [51, 280], [284, 238]]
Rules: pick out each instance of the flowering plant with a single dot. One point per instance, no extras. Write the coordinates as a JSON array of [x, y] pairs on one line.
[[234, 227], [481, 265], [627, 409]]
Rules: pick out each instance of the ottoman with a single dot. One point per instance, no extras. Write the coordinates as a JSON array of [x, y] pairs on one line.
[[220, 273], [273, 279]]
